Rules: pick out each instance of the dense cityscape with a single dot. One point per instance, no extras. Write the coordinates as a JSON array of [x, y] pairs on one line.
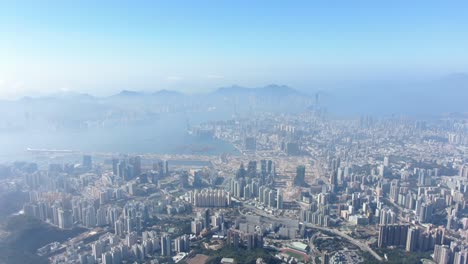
[[233, 132], [303, 188]]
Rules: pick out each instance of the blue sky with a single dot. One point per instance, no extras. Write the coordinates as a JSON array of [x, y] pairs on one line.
[[101, 47]]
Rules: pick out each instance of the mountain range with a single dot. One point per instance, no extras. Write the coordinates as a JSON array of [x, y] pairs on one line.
[[71, 109], [77, 110]]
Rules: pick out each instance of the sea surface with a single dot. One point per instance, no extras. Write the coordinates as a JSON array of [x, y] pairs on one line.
[[165, 135]]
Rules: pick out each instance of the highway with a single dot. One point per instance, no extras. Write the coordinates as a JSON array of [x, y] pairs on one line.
[[362, 246], [353, 241]]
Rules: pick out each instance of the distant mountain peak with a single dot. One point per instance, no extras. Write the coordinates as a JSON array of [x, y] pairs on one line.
[[81, 95], [165, 92], [272, 89], [232, 87], [279, 88], [129, 93]]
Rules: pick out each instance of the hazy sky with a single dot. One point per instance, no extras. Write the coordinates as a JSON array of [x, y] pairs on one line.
[[104, 46]]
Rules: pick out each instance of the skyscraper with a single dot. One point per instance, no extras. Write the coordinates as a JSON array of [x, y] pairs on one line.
[[460, 257], [269, 166], [241, 172], [107, 258], [122, 169], [65, 219], [334, 178], [442, 254], [196, 226], [252, 168], [250, 144], [386, 161], [166, 167], [279, 199], [87, 162], [115, 166], [206, 218], [300, 176], [263, 167], [393, 235], [136, 163], [182, 244], [96, 248], [166, 245], [412, 239], [425, 212]]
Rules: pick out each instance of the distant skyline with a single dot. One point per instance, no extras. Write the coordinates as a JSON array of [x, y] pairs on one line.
[[102, 47]]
